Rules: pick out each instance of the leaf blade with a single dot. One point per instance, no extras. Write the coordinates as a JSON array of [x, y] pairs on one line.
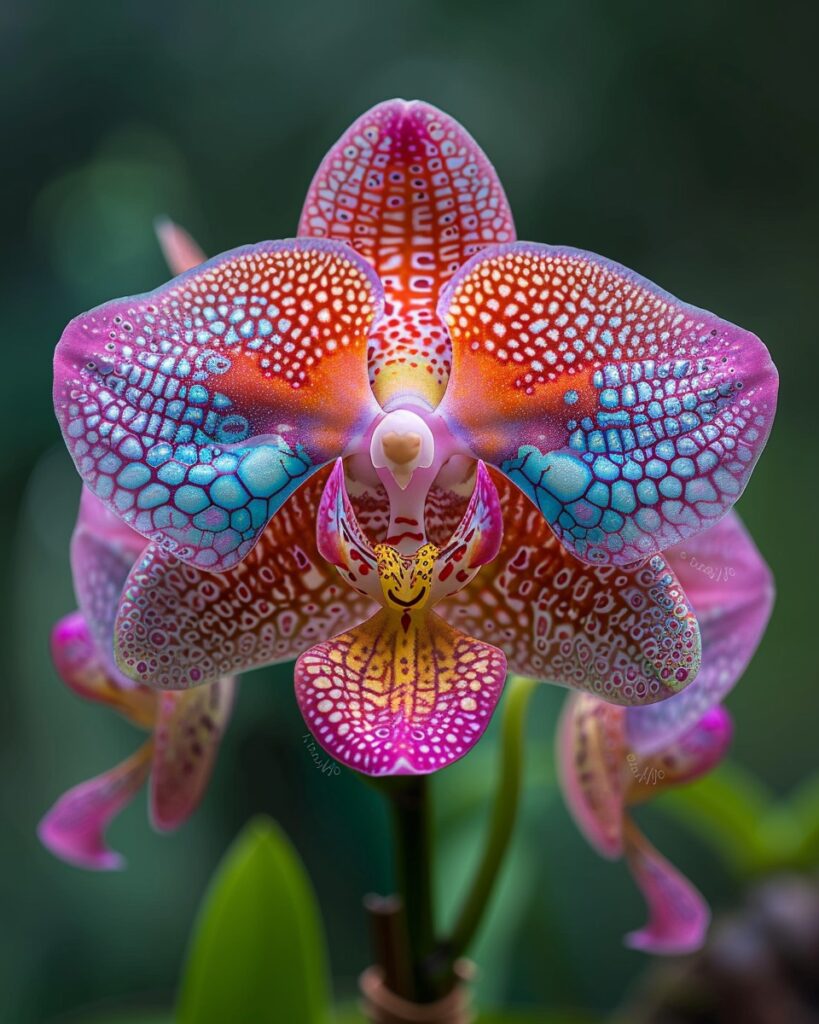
[[257, 951]]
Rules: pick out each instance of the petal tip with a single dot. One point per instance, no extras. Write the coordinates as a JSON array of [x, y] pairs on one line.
[[178, 247], [67, 848], [644, 941]]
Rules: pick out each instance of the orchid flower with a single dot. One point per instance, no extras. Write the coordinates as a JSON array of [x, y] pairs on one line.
[[185, 726], [612, 758], [522, 429]]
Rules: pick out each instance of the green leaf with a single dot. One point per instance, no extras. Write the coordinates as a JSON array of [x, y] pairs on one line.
[[348, 1015], [258, 948], [131, 1017]]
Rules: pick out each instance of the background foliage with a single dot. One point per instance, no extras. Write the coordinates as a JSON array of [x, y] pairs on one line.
[[681, 140]]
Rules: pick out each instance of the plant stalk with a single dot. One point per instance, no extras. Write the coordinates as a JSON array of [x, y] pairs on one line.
[[432, 971], [409, 805], [504, 814]]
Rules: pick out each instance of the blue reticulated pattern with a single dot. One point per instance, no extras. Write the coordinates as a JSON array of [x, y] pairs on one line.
[[630, 418], [649, 454], [193, 412]]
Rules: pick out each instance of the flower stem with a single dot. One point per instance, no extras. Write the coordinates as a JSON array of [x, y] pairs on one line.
[[432, 962], [504, 813], [409, 804]]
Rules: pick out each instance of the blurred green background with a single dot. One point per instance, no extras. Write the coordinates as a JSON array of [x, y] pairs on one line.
[[681, 140]]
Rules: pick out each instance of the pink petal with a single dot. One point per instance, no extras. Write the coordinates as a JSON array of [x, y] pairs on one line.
[[413, 193], [189, 728], [591, 767], [476, 540], [80, 666], [74, 828], [341, 540], [631, 419], [731, 589], [600, 777], [399, 697], [626, 634], [699, 749], [678, 913], [179, 626], [195, 410], [179, 249], [103, 549]]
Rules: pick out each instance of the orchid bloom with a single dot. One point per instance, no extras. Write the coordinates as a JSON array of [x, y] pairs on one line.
[[186, 726], [522, 428], [611, 758]]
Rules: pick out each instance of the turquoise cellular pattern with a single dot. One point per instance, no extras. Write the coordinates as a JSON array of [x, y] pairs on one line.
[[192, 411]]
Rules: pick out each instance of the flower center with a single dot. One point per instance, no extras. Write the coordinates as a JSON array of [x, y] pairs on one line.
[[401, 448], [407, 448], [401, 443]]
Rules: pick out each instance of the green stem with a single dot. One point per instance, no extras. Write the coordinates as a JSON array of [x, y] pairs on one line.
[[409, 803], [504, 813], [432, 962]]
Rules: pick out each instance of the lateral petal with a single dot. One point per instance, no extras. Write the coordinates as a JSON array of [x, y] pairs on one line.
[[631, 420], [179, 626], [195, 410], [627, 635]]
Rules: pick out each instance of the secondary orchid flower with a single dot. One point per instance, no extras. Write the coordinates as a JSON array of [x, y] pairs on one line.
[[409, 334], [185, 726], [611, 758], [603, 779]]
